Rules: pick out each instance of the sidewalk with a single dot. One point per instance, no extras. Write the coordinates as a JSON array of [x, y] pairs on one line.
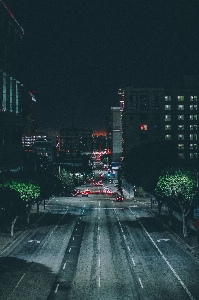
[[7, 241]]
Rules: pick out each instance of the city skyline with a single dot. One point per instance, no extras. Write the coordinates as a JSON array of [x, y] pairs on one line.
[[78, 54]]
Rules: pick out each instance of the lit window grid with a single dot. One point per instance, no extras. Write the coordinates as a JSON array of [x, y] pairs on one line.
[[167, 137], [167, 118], [181, 127], [167, 127], [193, 146], [193, 117], [193, 107], [180, 98], [193, 98], [167, 98], [193, 127]]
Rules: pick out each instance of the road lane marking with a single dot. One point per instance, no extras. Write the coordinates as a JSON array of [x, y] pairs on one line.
[[57, 288], [165, 240], [133, 261], [64, 266], [128, 248], [140, 282], [16, 285], [164, 258]]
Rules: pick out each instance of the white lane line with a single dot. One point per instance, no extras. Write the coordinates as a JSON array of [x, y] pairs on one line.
[[164, 258], [16, 286], [99, 203], [98, 228], [70, 250], [57, 288], [140, 282], [128, 248], [64, 266], [133, 261], [124, 237], [99, 262]]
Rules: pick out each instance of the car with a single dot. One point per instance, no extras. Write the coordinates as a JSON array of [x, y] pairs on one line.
[[84, 194], [120, 198]]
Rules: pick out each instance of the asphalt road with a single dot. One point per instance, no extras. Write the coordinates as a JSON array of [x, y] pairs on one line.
[[95, 248]]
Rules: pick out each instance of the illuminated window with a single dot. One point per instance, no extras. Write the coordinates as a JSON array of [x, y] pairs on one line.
[[143, 127], [193, 107], [193, 155], [180, 146], [167, 107], [181, 155], [180, 137], [167, 98], [193, 117], [193, 136], [180, 107], [167, 117], [180, 117], [167, 127], [180, 98], [180, 127], [193, 127], [193, 146], [167, 137], [194, 98]]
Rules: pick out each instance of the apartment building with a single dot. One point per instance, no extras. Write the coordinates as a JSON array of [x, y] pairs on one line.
[[158, 114]]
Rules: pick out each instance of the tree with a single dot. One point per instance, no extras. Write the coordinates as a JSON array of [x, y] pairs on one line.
[[29, 192], [175, 187], [11, 207], [67, 181]]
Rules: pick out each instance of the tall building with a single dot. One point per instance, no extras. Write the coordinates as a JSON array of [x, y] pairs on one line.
[[73, 142], [114, 134], [153, 114], [11, 89]]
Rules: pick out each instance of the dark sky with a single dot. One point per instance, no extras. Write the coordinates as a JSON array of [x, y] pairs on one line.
[[79, 52]]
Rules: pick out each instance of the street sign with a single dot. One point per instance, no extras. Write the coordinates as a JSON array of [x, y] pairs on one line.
[[196, 224]]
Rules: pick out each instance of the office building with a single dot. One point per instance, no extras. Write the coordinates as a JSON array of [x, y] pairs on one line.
[[73, 142], [159, 114], [11, 89]]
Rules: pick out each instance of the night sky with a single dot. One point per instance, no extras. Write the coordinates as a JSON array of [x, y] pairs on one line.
[[80, 52]]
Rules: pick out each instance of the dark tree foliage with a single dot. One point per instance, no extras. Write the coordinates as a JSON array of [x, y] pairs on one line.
[[143, 165], [49, 183], [11, 206]]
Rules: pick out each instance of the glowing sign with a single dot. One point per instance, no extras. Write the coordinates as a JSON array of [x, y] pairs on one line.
[[143, 127]]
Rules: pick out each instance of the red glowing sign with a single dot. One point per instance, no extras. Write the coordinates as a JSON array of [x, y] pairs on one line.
[[143, 127]]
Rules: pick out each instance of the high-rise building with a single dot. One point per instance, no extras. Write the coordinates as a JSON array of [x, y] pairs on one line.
[[73, 142], [154, 114], [11, 89]]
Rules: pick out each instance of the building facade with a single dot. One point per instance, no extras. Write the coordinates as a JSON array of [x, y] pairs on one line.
[[73, 142], [152, 115], [11, 89], [114, 133]]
